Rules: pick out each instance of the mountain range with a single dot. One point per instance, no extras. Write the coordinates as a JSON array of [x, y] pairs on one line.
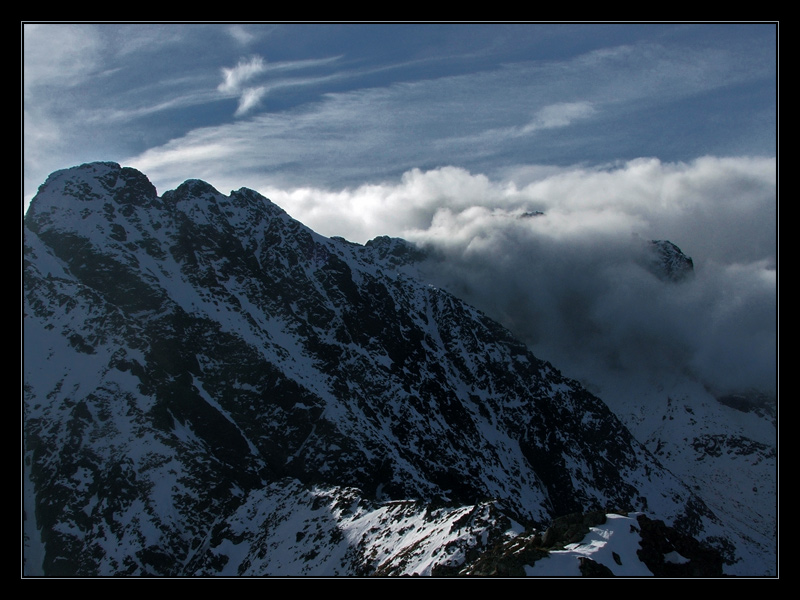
[[212, 388]]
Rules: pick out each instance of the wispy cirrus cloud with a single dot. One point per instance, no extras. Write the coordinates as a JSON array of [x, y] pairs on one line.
[[242, 35], [559, 115], [244, 71], [59, 56], [250, 98], [236, 80], [552, 116], [598, 106]]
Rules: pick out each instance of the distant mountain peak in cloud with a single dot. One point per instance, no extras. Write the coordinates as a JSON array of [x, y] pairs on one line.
[[669, 262]]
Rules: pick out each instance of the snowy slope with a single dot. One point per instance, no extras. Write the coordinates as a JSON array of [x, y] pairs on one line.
[[723, 445], [212, 388], [620, 536], [727, 455]]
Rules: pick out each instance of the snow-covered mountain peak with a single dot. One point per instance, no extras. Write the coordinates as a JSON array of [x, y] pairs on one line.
[[192, 188], [97, 181], [396, 252]]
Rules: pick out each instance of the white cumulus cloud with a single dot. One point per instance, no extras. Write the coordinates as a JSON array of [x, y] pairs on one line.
[[561, 259]]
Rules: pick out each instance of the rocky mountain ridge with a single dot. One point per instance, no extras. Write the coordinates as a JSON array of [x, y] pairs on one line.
[[212, 388]]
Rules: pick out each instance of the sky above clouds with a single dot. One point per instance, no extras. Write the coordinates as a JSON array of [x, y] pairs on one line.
[[445, 134], [335, 106]]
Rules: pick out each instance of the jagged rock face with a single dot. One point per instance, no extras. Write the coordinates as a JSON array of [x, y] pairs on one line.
[[195, 358], [651, 548], [668, 262], [660, 543]]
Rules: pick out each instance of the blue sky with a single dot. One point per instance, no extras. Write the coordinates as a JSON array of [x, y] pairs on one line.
[[444, 134], [334, 105]]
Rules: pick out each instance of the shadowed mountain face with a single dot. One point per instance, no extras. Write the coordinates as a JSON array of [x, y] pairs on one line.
[[212, 388], [668, 262]]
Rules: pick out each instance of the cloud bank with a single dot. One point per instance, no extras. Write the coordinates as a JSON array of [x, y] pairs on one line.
[[561, 259]]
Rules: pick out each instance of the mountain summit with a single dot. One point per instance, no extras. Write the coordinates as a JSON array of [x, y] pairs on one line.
[[211, 388]]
